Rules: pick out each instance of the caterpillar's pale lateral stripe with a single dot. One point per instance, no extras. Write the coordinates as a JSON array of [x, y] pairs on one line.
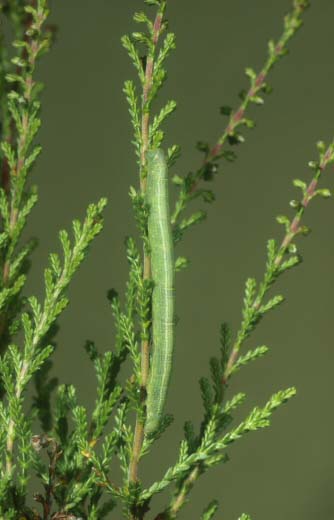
[[162, 263]]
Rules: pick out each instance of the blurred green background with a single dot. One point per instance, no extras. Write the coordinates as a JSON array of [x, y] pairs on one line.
[[285, 472]]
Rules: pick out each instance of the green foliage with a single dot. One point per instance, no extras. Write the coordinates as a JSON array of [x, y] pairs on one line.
[[210, 447], [148, 58], [210, 510], [18, 153], [75, 449], [189, 185], [18, 366]]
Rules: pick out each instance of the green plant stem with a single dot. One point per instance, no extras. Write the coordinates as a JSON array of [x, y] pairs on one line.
[[187, 486], [294, 229], [9, 186], [179, 501], [292, 23], [54, 303], [7, 122], [20, 23], [145, 346], [21, 377]]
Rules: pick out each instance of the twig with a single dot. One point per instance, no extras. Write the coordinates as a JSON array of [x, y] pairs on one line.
[[294, 229], [292, 22], [145, 346]]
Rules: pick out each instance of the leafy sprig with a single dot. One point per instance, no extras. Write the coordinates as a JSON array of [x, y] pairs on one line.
[[19, 365], [258, 418], [149, 61], [189, 185], [148, 55], [73, 456], [280, 259], [19, 153]]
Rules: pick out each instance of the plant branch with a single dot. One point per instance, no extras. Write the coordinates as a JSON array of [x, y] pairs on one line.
[[24, 122], [57, 279], [145, 346], [274, 269], [293, 229], [292, 22], [209, 452]]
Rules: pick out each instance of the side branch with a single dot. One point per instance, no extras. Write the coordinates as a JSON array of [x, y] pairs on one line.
[[237, 118], [255, 308], [293, 229]]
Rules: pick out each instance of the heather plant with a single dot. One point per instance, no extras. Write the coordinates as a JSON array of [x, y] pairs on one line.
[[54, 441]]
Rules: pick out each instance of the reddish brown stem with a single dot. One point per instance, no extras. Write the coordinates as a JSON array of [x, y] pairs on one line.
[[236, 118], [293, 230], [145, 347]]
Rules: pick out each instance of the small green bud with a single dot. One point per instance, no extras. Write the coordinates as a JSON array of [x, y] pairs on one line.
[[30, 9], [292, 248], [235, 138], [305, 230], [258, 100], [300, 184], [313, 164], [177, 180], [132, 192], [271, 47], [324, 192], [283, 219], [13, 95], [12, 78], [19, 43], [181, 263], [250, 73], [321, 146], [139, 37], [18, 61], [249, 123], [140, 17], [295, 204]]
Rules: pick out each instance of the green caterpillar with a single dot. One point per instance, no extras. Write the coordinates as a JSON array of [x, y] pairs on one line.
[[162, 262]]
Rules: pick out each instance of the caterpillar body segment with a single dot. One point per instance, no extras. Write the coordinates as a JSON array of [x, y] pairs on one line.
[[162, 265]]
